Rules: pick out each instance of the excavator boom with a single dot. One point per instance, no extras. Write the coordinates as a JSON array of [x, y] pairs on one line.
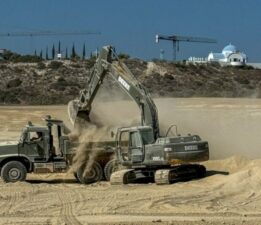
[[109, 64]]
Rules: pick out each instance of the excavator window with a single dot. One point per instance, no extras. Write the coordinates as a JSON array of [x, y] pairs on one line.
[[135, 140], [124, 145], [147, 136]]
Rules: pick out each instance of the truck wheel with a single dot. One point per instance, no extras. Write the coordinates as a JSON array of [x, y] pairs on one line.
[[92, 176], [75, 175], [13, 171], [110, 167]]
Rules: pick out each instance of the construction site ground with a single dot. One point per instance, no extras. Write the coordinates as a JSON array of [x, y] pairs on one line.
[[230, 194]]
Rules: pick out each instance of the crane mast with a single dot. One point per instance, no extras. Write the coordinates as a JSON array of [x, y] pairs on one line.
[[109, 64]]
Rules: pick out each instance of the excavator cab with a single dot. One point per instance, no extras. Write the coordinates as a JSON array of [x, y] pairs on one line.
[[131, 143]]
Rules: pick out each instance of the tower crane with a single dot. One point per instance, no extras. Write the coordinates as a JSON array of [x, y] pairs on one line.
[[48, 33], [176, 39]]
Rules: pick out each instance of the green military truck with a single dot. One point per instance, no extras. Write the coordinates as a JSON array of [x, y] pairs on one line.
[[40, 151]]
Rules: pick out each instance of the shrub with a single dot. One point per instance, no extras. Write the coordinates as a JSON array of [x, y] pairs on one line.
[[14, 57], [55, 65], [27, 59], [41, 65], [8, 55], [13, 83], [123, 56], [247, 67], [76, 65]]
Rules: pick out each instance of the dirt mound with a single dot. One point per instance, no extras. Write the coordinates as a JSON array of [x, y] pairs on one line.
[[244, 173], [232, 164]]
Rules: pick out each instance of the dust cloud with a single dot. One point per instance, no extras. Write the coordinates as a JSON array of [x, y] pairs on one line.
[[106, 117], [231, 126], [87, 137]]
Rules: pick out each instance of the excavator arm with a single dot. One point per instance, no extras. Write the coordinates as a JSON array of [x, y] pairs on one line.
[[109, 64], [79, 110]]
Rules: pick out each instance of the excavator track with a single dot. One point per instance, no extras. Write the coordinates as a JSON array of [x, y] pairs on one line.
[[123, 177], [180, 173]]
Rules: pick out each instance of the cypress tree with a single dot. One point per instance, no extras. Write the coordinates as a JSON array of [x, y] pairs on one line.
[[41, 54], [83, 52], [66, 53], [59, 47], [53, 52], [73, 52], [35, 54], [46, 53]]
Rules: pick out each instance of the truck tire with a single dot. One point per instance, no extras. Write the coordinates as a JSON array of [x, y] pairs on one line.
[[13, 171], [110, 167], [94, 175], [75, 175]]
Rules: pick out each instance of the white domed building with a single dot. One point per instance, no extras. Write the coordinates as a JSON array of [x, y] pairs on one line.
[[229, 55]]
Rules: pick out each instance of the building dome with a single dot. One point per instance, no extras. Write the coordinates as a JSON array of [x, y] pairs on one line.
[[229, 49], [229, 56]]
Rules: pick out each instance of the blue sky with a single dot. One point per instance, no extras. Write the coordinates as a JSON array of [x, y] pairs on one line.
[[131, 25]]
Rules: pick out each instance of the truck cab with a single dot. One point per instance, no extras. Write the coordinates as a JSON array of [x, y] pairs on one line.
[[35, 143], [35, 151]]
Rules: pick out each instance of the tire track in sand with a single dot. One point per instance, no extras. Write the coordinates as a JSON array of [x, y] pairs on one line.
[[10, 203], [66, 213]]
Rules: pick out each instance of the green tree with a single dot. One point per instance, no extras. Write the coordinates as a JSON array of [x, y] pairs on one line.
[[41, 54], [59, 47], [73, 55], [46, 53], [66, 53], [53, 52], [83, 52], [35, 53]]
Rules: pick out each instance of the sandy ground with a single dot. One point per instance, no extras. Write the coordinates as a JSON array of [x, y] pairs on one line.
[[230, 194]]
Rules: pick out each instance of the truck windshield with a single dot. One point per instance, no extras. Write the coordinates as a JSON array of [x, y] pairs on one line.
[[147, 136], [23, 136]]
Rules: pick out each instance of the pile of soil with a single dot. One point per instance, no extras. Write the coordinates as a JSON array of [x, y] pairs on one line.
[[53, 82]]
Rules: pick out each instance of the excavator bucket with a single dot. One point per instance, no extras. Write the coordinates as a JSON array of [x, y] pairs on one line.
[[77, 117]]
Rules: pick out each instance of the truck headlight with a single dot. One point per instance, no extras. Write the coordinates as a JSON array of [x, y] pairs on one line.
[[167, 149]]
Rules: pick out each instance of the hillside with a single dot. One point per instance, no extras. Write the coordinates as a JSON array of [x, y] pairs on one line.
[[55, 82]]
